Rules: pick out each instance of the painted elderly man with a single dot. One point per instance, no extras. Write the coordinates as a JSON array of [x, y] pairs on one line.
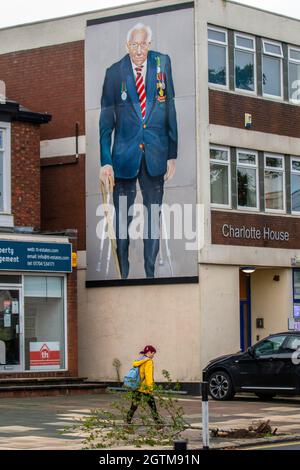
[[138, 105]]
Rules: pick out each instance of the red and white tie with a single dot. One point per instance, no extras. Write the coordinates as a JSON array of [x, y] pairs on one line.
[[140, 86]]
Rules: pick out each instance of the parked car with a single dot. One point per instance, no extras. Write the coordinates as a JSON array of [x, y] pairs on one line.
[[269, 368]]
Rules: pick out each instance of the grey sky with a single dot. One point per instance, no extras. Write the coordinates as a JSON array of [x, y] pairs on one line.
[[24, 11]]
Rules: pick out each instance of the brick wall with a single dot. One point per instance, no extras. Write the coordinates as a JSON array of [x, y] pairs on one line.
[[49, 79], [63, 195], [228, 109], [25, 170]]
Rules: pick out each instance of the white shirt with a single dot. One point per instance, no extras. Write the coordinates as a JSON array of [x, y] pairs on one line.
[[144, 70]]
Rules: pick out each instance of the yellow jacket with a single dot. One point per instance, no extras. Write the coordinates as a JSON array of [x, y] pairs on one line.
[[146, 373]]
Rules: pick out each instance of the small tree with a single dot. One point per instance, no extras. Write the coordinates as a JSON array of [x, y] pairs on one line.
[[108, 428]]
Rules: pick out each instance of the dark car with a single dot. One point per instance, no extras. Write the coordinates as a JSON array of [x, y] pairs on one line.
[[270, 367]]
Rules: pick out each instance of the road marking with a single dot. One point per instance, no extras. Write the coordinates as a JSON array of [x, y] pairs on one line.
[[283, 444]]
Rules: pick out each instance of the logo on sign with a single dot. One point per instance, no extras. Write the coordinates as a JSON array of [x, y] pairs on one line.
[[44, 355]]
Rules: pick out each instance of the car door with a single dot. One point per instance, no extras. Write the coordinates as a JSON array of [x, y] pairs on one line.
[[290, 372], [264, 369]]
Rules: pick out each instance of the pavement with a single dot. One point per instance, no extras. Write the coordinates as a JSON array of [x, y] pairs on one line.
[[40, 423]]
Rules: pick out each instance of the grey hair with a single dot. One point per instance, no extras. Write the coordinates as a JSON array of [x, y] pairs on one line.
[[139, 27]]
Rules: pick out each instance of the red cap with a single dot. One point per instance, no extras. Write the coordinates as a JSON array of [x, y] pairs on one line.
[[147, 349]]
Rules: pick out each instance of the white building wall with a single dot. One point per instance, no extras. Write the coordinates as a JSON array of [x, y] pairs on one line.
[[117, 322]]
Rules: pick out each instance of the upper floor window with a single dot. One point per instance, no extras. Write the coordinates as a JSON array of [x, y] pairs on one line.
[[247, 179], [217, 56], [294, 74], [244, 59], [5, 183], [272, 69], [295, 184], [274, 183], [220, 176]]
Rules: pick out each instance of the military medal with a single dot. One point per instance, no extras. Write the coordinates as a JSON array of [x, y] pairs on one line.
[[157, 65], [123, 91]]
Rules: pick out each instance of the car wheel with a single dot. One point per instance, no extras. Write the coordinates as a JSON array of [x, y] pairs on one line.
[[265, 396], [220, 386]]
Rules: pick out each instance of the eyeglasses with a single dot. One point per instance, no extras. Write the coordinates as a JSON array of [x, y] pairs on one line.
[[136, 45]]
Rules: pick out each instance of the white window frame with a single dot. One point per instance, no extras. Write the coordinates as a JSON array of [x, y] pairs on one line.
[[293, 61], [245, 49], [278, 170], [247, 165], [6, 218], [278, 56], [294, 172], [224, 44], [225, 163], [64, 277]]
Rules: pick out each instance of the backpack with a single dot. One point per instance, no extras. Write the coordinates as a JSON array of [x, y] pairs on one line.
[[132, 379]]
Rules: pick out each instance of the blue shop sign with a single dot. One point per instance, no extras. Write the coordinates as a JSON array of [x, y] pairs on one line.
[[35, 256]]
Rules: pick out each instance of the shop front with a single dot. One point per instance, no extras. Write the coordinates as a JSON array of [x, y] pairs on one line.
[[34, 306]]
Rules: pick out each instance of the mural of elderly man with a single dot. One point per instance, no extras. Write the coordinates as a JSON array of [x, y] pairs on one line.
[[137, 104]]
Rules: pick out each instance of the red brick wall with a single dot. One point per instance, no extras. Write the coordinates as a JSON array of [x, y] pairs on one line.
[[25, 169], [63, 195], [228, 109], [49, 79]]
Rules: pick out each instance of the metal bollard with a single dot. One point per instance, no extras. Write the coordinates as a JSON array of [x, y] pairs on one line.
[[180, 445], [205, 416]]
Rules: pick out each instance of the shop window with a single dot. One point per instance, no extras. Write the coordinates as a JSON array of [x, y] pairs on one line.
[[220, 176], [44, 319], [272, 69], [244, 60], [274, 183], [294, 75], [247, 179], [295, 184], [217, 57]]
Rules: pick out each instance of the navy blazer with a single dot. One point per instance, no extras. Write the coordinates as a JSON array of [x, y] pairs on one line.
[[121, 113]]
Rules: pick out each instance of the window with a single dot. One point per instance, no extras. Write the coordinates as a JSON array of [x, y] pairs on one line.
[[244, 60], [269, 346], [295, 184], [272, 69], [217, 57], [220, 176], [44, 318], [296, 294], [274, 183], [247, 179], [5, 176], [294, 74], [292, 343]]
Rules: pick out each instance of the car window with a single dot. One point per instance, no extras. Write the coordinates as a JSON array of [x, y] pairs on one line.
[[292, 343], [269, 346]]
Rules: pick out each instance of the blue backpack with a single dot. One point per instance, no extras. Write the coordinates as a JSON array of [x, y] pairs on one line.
[[132, 379]]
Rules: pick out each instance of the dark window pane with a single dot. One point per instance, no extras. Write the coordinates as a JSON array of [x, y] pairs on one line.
[[294, 81], [244, 70], [217, 64], [295, 183], [246, 187], [219, 184], [7, 279], [272, 76]]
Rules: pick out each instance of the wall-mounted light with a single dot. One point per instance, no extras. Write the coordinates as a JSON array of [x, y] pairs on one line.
[[276, 278], [248, 269]]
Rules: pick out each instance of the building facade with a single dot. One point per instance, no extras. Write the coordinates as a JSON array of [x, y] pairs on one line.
[[247, 64], [38, 304]]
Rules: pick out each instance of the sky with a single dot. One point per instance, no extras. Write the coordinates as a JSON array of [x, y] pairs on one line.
[[25, 11]]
